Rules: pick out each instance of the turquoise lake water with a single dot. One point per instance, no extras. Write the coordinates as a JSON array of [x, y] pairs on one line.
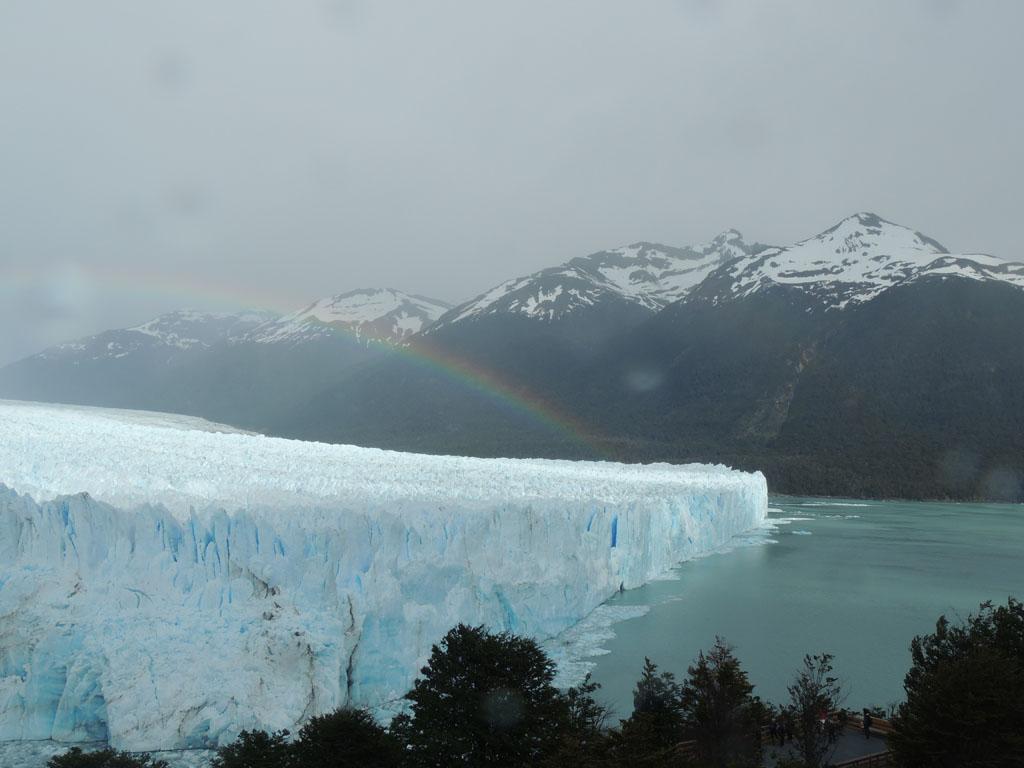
[[857, 579]]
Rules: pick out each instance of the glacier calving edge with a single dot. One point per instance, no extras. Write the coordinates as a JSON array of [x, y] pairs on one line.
[[166, 583]]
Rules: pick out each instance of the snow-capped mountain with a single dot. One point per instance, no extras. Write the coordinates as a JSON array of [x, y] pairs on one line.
[[856, 260], [240, 368], [794, 359], [183, 329], [745, 366], [379, 314], [644, 274]]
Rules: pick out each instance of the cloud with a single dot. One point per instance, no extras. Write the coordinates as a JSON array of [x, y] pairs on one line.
[[441, 148]]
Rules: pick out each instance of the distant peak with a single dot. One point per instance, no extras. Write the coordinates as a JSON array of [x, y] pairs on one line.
[[640, 246], [188, 315], [374, 313], [875, 225], [862, 219], [362, 292], [728, 236], [398, 296], [869, 219]]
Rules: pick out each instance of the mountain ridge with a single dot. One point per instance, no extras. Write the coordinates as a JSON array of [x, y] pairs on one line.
[[755, 355], [647, 274], [853, 262]]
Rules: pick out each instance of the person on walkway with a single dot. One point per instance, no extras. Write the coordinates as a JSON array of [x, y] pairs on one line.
[[867, 721]]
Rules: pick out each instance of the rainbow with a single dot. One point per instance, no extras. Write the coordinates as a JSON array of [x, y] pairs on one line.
[[516, 399], [179, 290]]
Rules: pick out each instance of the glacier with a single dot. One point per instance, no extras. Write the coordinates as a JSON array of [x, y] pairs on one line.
[[166, 582]]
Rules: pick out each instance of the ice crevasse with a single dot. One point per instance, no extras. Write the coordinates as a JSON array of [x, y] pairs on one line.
[[166, 583]]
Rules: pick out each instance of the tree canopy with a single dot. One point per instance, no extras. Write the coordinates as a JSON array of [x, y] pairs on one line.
[[484, 699], [720, 710], [965, 693], [346, 738], [256, 749]]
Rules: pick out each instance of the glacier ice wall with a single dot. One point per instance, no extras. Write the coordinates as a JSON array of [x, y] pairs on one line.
[[164, 584]]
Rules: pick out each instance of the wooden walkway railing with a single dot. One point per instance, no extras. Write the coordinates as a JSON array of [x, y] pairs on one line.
[[877, 760], [878, 725], [687, 750], [884, 759]]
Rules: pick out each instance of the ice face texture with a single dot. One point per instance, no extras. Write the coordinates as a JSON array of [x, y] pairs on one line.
[[164, 584]]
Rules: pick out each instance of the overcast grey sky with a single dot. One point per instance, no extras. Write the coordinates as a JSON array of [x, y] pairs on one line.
[[253, 153]]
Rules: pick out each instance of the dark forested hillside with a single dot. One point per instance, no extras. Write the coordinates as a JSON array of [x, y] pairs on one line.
[[500, 385], [918, 393], [246, 385], [915, 394]]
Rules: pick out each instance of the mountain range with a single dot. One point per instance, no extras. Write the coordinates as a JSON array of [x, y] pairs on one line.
[[867, 360], [238, 368]]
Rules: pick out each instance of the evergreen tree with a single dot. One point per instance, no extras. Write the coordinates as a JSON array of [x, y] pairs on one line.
[[815, 695], [484, 699], [720, 711], [651, 734], [657, 694], [965, 693], [584, 741], [585, 716]]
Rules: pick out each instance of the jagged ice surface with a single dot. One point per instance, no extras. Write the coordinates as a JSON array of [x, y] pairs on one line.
[[164, 584]]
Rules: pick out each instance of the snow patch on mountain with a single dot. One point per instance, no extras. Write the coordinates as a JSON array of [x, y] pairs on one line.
[[380, 314], [187, 328], [656, 275], [207, 582], [183, 329], [855, 261], [645, 274]]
